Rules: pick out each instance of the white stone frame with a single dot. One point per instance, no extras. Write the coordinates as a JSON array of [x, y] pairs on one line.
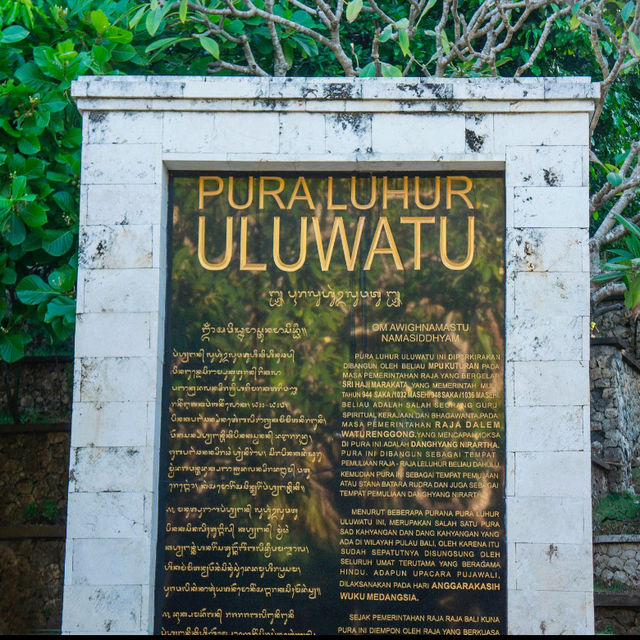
[[136, 128]]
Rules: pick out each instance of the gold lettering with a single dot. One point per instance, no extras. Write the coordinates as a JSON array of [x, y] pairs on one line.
[[271, 192], [404, 192], [338, 227], [244, 265], [201, 191], [224, 263], [302, 256], [383, 224], [374, 193], [330, 203], [416, 221], [457, 266], [459, 192], [307, 196], [436, 195], [249, 201]]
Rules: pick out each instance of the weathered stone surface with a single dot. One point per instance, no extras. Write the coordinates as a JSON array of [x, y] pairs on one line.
[[615, 416], [544, 612], [106, 515], [552, 567], [102, 609], [124, 127], [340, 125], [551, 473], [616, 560], [116, 247], [550, 207]]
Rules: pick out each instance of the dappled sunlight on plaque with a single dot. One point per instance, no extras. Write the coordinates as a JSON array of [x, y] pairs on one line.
[[334, 435]]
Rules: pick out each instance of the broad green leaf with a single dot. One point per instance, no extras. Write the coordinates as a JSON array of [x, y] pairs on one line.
[[389, 71], [11, 348], [354, 7], [403, 41], [60, 306], [614, 178], [574, 23], [33, 290], [627, 10], [30, 75], [154, 18], [57, 243], [634, 41], [576, 8], [16, 232], [63, 279], [18, 186], [386, 33], [182, 12], [63, 327], [633, 242], [99, 21], [632, 295], [34, 215], [211, 46], [13, 33], [307, 44], [116, 34], [8, 276], [66, 50], [368, 71], [133, 23], [55, 176], [100, 54], [72, 137], [48, 63], [124, 53], [403, 23], [65, 201], [29, 145]]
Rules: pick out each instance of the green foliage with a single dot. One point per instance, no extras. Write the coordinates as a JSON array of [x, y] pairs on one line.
[[599, 586], [44, 47], [44, 512], [617, 513], [625, 264]]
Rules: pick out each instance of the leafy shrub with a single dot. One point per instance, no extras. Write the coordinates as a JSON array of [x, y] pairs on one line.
[[43, 48]]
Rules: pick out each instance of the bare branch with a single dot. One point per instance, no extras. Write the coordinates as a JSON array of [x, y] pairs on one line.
[[280, 64], [602, 236], [609, 289]]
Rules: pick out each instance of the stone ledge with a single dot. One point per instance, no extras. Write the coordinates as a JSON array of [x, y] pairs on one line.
[[621, 538], [32, 531], [331, 94], [616, 599]]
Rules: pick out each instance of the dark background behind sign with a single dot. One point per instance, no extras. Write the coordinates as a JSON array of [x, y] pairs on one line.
[[326, 331]]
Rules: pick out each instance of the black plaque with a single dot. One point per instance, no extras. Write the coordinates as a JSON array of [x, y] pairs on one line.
[[333, 435]]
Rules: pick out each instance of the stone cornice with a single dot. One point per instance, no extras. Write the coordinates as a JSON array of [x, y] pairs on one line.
[[414, 95]]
